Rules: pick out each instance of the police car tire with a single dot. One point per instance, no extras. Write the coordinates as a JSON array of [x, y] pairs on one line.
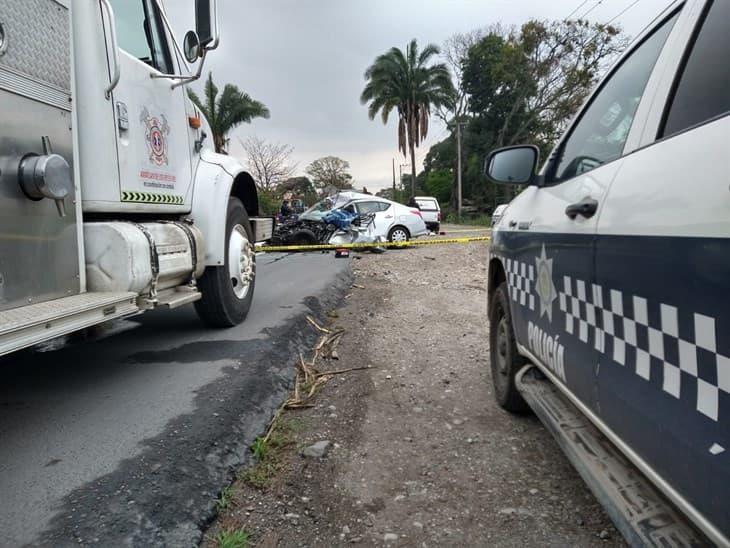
[[219, 306], [503, 378]]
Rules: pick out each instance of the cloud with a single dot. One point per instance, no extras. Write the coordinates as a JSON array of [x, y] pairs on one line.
[[305, 60]]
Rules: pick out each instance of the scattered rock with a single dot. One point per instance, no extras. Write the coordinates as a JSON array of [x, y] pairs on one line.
[[604, 535], [534, 491], [317, 450], [390, 537], [346, 530], [418, 525]]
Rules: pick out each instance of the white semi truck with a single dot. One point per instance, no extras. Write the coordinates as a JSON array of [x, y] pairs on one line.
[[112, 201]]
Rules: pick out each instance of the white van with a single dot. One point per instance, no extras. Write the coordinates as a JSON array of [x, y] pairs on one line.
[[609, 283], [430, 211]]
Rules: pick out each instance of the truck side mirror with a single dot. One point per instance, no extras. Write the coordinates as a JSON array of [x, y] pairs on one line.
[[206, 23], [512, 165]]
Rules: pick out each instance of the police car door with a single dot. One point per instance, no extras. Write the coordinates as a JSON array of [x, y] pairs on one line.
[[663, 254], [553, 229], [152, 123]]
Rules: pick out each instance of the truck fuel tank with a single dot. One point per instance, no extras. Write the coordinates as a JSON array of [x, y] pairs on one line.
[[142, 257]]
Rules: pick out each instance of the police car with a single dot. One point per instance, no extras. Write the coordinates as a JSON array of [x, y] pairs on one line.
[[609, 283]]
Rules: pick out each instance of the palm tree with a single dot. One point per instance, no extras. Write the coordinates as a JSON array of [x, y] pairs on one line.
[[224, 113], [407, 82]]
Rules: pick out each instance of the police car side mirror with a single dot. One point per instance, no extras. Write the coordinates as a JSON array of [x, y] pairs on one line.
[[514, 165]]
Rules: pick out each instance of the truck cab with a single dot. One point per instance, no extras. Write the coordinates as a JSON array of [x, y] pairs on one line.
[[112, 199], [608, 283]]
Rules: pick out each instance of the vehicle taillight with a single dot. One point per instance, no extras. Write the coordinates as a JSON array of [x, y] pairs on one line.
[[417, 212], [438, 216]]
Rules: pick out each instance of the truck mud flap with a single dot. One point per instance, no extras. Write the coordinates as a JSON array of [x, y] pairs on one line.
[[640, 512]]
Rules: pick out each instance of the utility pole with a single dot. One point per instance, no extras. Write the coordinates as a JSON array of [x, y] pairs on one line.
[[393, 196], [458, 170], [400, 171]]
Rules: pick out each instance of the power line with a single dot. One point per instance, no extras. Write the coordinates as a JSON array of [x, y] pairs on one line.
[[591, 9], [583, 3], [627, 8], [619, 14]]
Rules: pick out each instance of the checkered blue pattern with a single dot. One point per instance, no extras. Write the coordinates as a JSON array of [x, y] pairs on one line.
[[521, 280], [651, 338]]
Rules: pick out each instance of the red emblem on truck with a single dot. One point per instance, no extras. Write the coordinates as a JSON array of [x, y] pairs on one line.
[[156, 131]]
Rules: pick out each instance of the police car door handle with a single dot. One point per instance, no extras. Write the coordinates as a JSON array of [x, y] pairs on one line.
[[586, 208]]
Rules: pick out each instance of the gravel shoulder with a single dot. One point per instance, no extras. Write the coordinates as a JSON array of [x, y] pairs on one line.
[[419, 453]]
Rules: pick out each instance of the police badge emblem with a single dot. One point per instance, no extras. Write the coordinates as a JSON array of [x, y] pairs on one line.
[[545, 287], [156, 131]]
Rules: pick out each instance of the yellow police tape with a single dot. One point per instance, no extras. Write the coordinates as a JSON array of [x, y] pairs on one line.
[[323, 247]]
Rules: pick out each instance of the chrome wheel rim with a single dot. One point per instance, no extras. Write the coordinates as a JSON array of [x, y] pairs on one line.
[[241, 262], [399, 235]]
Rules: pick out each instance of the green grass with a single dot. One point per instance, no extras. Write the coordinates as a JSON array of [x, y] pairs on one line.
[[260, 449], [481, 220], [270, 453], [236, 538], [224, 501]]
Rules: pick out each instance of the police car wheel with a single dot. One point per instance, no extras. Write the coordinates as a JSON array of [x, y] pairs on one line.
[[505, 361], [228, 289]]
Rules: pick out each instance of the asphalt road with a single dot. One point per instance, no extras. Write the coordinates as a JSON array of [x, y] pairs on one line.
[[128, 438]]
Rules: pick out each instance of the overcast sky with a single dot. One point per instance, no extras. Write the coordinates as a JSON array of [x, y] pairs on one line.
[[305, 60]]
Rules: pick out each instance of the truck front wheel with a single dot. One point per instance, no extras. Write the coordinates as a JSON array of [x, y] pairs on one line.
[[504, 358], [228, 290]]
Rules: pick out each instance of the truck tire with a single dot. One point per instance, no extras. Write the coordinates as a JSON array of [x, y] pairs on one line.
[[399, 234], [504, 359], [228, 290]]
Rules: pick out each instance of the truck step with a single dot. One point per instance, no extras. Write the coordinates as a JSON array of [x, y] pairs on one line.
[[28, 325], [178, 297], [640, 512]]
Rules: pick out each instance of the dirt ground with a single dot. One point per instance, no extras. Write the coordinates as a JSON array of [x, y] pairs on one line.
[[420, 455]]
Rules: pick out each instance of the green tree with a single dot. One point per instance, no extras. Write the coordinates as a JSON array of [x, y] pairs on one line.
[[301, 187], [408, 82], [526, 85], [330, 172], [438, 185], [227, 111]]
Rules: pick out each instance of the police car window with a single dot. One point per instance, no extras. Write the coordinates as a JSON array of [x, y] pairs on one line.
[[384, 206], [600, 134], [140, 32], [703, 91], [350, 209]]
